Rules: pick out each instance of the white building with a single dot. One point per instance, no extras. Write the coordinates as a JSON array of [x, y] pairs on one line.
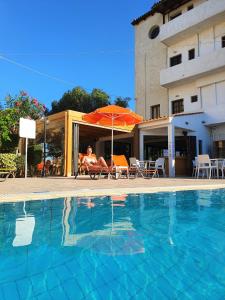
[[180, 80]]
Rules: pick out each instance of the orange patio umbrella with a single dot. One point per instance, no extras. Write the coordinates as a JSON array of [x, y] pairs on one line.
[[113, 115]]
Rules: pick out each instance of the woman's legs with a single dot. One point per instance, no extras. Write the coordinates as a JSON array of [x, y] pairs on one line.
[[102, 162]]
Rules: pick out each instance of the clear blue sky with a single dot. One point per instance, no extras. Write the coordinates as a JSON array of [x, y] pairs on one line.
[[85, 43]]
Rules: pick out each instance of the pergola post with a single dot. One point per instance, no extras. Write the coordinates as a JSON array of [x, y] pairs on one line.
[[68, 144], [75, 146], [171, 150], [135, 145], [141, 146]]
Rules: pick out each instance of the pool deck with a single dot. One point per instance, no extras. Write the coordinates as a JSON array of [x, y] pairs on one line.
[[20, 189]]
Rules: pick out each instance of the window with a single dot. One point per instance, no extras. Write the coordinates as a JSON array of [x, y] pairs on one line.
[[194, 99], [177, 106], [191, 54], [223, 41], [175, 60], [219, 147], [190, 7], [175, 15], [154, 32], [155, 111]]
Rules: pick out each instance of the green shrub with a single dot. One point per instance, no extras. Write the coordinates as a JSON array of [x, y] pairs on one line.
[[8, 161], [20, 165], [20, 161]]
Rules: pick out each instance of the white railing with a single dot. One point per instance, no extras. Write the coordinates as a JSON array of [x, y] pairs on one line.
[[210, 12]]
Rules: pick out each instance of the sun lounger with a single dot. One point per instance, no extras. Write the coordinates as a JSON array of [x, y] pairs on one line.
[[121, 167], [93, 171], [7, 173]]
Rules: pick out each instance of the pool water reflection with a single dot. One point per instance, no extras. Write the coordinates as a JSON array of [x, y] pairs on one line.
[[147, 246]]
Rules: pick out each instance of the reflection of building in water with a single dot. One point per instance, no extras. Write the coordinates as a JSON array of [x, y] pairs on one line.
[[172, 217], [112, 238], [24, 229], [68, 238], [204, 197]]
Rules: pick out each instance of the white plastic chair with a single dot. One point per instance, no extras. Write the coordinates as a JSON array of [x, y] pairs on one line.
[[195, 168], [222, 168], [139, 165], [159, 164], [133, 161], [205, 164]]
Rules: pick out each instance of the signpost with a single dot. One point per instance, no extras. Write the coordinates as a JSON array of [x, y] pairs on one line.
[[27, 130]]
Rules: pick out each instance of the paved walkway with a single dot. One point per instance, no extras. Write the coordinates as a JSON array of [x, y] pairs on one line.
[[19, 189]]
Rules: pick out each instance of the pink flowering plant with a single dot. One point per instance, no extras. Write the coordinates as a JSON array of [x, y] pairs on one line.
[[25, 106], [19, 106]]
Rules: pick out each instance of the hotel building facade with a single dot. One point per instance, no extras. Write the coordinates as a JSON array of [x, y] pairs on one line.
[[180, 81]]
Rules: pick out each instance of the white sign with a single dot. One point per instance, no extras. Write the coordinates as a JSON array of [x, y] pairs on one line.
[[27, 128], [165, 152]]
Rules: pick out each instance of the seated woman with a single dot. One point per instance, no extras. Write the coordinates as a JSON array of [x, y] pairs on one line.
[[91, 160]]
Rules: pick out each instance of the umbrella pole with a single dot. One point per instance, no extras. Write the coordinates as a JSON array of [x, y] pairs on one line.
[[112, 142]]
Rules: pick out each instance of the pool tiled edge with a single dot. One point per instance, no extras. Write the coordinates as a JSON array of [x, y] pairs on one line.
[[102, 192]]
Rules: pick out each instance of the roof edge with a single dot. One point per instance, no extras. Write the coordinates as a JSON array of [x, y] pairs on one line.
[[142, 18], [162, 7]]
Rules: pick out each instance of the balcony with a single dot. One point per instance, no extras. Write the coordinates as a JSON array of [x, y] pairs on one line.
[[206, 14], [193, 69]]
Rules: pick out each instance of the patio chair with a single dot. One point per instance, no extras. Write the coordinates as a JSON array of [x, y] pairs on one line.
[[40, 168], [160, 166], [133, 161], [205, 165], [222, 168], [121, 167], [194, 167], [138, 165], [155, 167]]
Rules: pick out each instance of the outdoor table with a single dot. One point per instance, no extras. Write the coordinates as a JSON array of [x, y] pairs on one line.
[[216, 162]]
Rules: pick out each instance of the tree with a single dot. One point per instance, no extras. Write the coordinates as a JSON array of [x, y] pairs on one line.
[[80, 100], [99, 99], [124, 102], [25, 106], [76, 99], [8, 120], [19, 106]]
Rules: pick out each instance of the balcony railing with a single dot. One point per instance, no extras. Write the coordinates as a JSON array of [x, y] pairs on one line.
[[193, 69], [202, 16]]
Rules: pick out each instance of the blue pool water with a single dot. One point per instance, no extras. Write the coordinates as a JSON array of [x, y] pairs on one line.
[[150, 246]]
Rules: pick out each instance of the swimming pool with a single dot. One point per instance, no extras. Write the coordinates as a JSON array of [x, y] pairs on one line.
[[146, 246]]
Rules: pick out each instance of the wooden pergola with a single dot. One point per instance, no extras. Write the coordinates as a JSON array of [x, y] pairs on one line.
[[72, 129]]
